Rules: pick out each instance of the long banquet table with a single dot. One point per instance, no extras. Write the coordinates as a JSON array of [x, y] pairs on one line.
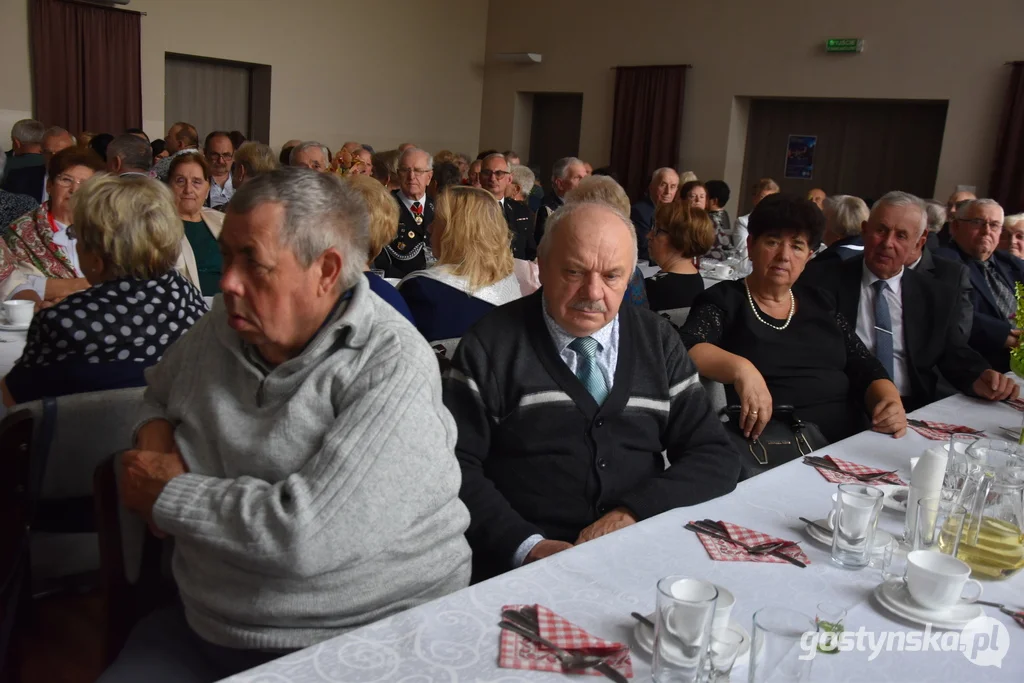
[[598, 584]]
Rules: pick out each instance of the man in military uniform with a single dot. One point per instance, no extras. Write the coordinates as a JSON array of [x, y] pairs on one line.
[[495, 176], [415, 213]]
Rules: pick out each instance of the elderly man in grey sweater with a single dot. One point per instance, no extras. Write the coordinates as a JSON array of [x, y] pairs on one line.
[[295, 445]]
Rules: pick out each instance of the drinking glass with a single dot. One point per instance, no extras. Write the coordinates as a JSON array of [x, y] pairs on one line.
[[940, 523], [894, 560], [856, 513], [725, 645], [830, 619], [682, 629], [782, 646]]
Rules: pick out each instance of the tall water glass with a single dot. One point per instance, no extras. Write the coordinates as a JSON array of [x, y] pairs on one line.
[[783, 646], [682, 629], [940, 524], [856, 513]]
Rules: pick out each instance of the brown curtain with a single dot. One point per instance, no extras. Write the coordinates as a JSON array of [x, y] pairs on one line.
[[86, 66], [646, 122], [1006, 185]]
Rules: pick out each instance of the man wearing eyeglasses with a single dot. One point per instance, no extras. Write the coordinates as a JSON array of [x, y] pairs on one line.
[[219, 152], [994, 275], [495, 176], [415, 214]]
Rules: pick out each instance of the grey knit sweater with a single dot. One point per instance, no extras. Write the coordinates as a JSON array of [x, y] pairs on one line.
[[321, 494]]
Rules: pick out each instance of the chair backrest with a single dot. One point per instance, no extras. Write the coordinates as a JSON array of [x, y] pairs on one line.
[[449, 346], [716, 395], [677, 316]]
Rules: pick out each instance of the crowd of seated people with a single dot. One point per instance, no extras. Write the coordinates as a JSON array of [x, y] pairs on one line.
[[298, 433]]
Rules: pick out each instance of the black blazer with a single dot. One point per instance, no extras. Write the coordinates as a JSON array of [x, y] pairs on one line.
[[28, 180], [642, 215], [840, 250], [405, 254], [931, 339], [956, 274], [990, 327], [520, 222], [552, 202]]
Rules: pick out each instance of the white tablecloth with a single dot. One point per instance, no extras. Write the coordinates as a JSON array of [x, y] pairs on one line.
[[11, 346], [650, 270], [598, 584]]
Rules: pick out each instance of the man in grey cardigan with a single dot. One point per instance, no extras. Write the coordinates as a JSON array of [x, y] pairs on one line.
[[295, 445]]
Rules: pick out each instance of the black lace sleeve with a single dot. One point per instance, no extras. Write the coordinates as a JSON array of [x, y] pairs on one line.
[[704, 325], [861, 365]]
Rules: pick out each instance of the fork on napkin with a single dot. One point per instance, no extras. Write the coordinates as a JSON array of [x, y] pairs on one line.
[[720, 549], [517, 652], [853, 473], [939, 431]]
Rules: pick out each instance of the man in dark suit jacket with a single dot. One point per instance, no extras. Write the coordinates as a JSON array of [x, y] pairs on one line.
[[922, 260], [31, 178], [565, 175], [994, 274], [906, 318], [415, 214], [495, 177], [662, 190]]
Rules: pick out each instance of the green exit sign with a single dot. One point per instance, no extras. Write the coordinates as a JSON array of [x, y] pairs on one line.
[[844, 45]]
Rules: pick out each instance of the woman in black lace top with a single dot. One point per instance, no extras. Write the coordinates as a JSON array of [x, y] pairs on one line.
[[775, 343]]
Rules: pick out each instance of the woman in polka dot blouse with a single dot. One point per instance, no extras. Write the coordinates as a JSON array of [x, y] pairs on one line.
[[128, 239]]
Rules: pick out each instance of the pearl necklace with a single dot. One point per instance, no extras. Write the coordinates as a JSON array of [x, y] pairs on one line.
[[789, 318]]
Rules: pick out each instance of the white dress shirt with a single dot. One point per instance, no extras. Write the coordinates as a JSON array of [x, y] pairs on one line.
[[220, 196], [866, 323], [46, 195], [607, 358], [409, 202], [37, 283]]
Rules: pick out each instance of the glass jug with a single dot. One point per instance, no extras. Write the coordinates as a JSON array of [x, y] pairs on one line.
[[993, 493]]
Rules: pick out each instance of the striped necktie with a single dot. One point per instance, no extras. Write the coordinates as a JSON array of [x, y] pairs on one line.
[[883, 328], [587, 371], [1001, 291]]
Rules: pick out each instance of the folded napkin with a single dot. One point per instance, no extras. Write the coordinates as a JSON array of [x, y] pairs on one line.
[[727, 552], [519, 653], [940, 431], [1017, 404], [855, 470]]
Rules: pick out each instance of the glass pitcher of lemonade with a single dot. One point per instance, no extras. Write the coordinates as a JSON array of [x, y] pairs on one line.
[[993, 493]]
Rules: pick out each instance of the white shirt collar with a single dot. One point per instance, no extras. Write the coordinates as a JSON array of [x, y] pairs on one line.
[[409, 202], [562, 338], [868, 278], [914, 265]]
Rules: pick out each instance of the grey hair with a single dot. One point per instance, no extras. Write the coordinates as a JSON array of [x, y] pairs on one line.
[[28, 131], [898, 198], [416, 150], [57, 130], [321, 211], [523, 177], [848, 213], [656, 176], [1008, 221], [302, 147], [135, 153], [496, 155], [936, 215], [961, 210], [555, 220], [561, 167]]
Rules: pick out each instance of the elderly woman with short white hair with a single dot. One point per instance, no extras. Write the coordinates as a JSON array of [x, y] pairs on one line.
[[128, 236], [1012, 237], [522, 183], [844, 216]]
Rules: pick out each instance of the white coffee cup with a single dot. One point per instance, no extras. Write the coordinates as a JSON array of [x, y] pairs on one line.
[[722, 271], [723, 608], [831, 518], [687, 620], [936, 580], [19, 311]]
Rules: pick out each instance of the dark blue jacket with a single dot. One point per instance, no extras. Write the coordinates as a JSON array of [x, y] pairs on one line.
[[385, 290], [440, 311], [642, 215]]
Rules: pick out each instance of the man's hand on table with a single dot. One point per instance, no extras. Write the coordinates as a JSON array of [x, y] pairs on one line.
[[544, 549], [995, 386], [144, 476], [612, 521]]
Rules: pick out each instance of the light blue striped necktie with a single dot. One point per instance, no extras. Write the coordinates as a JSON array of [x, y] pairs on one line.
[[587, 371], [883, 329]]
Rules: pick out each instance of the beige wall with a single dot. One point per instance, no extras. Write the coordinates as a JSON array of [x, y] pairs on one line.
[[377, 72], [915, 49]]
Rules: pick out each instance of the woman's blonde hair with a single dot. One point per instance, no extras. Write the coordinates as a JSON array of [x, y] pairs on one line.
[[476, 242], [602, 189], [383, 210], [443, 156], [131, 222]]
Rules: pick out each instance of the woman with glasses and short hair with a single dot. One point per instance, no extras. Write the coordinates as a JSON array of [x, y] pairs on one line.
[[680, 234], [189, 179], [39, 240]]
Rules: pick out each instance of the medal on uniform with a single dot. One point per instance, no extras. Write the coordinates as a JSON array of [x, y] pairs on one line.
[[401, 246], [412, 235], [419, 221]]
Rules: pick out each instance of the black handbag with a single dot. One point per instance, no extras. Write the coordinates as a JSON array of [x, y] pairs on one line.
[[786, 437]]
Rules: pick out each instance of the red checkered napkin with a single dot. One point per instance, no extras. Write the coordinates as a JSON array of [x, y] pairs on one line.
[[941, 431], [727, 552], [1017, 404], [517, 652], [858, 470]]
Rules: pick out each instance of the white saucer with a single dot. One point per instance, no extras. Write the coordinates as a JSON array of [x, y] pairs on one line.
[[8, 327], [894, 497], [644, 637], [894, 596], [819, 535]]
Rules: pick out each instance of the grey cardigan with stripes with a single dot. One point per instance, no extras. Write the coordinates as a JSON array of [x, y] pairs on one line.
[[539, 456]]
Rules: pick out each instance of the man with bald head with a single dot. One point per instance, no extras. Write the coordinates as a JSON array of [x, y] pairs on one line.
[[590, 393], [975, 232], [32, 180], [909, 320], [662, 190]]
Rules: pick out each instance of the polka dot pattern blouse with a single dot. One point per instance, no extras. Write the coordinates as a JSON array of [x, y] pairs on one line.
[[121, 320]]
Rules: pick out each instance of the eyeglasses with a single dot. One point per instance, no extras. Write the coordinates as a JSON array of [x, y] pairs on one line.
[[220, 157], [981, 223], [405, 171], [487, 173], [67, 181]]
